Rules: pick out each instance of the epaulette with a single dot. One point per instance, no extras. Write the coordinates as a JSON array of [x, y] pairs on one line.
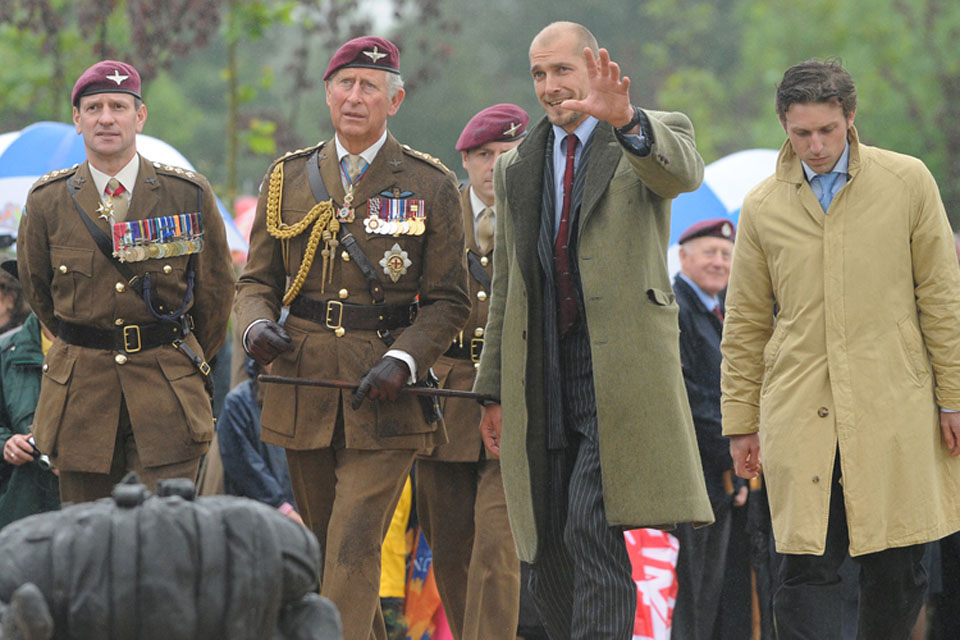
[[290, 155], [426, 157], [55, 175], [180, 172]]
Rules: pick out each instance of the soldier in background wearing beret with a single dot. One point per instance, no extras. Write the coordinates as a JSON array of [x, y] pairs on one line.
[[126, 262], [705, 250], [362, 237], [460, 498]]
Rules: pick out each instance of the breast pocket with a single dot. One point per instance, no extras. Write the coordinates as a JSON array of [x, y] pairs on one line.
[[72, 288]]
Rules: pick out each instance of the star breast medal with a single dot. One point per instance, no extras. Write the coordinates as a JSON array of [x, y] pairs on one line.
[[395, 262]]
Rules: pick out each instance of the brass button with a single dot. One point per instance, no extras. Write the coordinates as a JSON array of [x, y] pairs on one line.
[[167, 268], [481, 295], [45, 366], [823, 412], [345, 256], [120, 287], [476, 365], [484, 260], [120, 358], [478, 332], [339, 332], [63, 268], [118, 322], [343, 293]]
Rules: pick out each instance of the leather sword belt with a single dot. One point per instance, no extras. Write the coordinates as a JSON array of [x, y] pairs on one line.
[[469, 351], [333, 314], [129, 338]]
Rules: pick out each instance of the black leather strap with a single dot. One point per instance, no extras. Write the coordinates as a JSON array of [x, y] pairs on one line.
[[334, 314], [129, 338], [477, 271]]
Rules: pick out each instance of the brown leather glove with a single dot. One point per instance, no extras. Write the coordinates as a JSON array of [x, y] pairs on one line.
[[267, 340], [384, 380]]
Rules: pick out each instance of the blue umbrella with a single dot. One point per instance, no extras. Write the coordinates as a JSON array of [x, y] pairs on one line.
[[725, 183], [45, 146]]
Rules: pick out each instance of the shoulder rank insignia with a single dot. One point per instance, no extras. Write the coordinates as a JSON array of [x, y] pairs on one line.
[[425, 157], [395, 262]]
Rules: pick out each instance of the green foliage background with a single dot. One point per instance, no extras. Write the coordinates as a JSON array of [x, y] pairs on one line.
[[717, 60]]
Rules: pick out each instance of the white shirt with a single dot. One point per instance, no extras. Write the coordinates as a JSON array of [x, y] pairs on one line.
[[367, 154], [127, 176], [477, 205]]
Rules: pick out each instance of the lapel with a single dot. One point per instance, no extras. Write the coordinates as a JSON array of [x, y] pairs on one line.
[[382, 174], [468, 223], [146, 195], [87, 196], [330, 171], [605, 155], [524, 185]]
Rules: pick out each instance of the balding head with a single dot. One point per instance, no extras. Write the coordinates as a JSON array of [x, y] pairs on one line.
[[556, 30]]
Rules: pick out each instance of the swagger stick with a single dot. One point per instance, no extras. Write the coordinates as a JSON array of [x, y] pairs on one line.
[[342, 384]]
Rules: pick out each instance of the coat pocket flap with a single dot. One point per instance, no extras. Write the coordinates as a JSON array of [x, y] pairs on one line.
[[59, 369], [178, 367], [72, 259], [659, 297]]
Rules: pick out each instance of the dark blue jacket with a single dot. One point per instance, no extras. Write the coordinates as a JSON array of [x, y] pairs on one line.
[[251, 467], [700, 332]]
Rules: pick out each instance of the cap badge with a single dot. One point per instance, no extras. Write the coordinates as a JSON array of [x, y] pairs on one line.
[[374, 56], [116, 77], [395, 262], [726, 230], [512, 129]]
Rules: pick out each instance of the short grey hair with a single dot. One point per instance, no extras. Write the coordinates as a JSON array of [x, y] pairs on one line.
[[394, 82]]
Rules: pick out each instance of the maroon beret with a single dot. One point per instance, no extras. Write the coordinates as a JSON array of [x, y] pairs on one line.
[[499, 123], [369, 52], [715, 227], [107, 76]]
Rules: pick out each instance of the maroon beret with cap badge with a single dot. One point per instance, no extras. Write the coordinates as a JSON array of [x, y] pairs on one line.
[[500, 123], [715, 227], [107, 76], [369, 52]]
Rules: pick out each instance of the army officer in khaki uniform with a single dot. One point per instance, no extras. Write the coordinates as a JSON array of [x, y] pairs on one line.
[[126, 262], [362, 238], [459, 490]]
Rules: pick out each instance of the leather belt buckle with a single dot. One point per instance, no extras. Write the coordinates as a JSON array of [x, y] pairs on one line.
[[476, 346], [131, 338], [331, 305], [204, 368]]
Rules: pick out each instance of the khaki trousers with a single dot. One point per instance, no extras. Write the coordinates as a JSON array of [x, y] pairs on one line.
[[463, 513], [347, 498]]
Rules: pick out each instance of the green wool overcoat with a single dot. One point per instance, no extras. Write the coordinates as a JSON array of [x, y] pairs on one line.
[[650, 466]]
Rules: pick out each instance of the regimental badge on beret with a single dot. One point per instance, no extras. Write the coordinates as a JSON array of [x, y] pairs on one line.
[[714, 227], [368, 52], [106, 76], [500, 123]]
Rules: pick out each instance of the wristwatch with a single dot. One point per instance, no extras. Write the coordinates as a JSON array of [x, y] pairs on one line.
[[634, 121]]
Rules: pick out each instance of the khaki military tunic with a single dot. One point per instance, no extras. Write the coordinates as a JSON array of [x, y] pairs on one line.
[[66, 278], [298, 417]]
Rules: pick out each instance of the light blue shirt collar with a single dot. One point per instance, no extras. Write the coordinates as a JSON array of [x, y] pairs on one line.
[[841, 167], [710, 302], [583, 133]]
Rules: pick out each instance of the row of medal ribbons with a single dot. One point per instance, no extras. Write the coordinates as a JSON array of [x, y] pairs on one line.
[[161, 237], [395, 217]]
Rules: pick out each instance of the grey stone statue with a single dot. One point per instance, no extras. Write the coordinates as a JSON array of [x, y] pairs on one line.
[[139, 566]]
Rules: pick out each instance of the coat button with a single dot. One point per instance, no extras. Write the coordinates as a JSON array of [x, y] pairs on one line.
[[63, 268], [523, 335], [345, 256], [118, 322], [120, 287], [339, 332], [478, 332], [120, 358], [484, 261], [816, 479], [476, 365], [344, 294], [167, 268], [481, 295], [45, 366], [823, 412]]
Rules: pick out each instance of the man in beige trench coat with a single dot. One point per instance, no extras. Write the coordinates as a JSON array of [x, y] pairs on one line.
[[841, 362], [597, 434]]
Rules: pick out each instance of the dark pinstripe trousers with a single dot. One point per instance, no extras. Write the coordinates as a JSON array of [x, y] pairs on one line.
[[582, 581]]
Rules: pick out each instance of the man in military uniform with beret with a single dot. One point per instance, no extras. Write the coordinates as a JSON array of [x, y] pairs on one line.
[[363, 239], [126, 262], [460, 498]]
